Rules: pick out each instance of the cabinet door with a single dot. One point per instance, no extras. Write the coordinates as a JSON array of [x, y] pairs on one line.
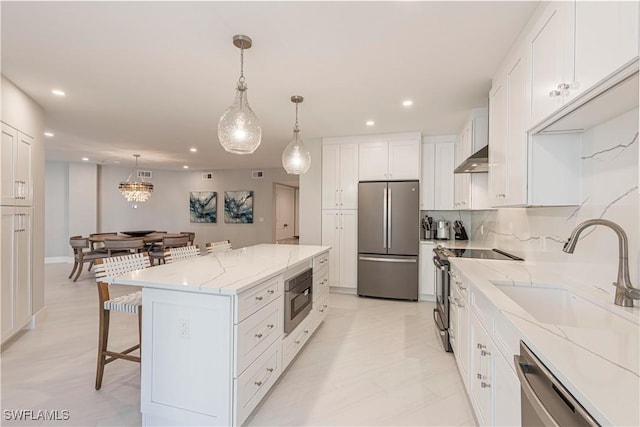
[[331, 237], [348, 249], [23, 168], [373, 161], [7, 164], [427, 270], [330, 176], [481, 371], [606, 38], [444, 177], [463, 339], [428, 181], [348, 176], [498, 122], [404, 159], [462, 182], [8, 258], [507, 393], [516, 140], [22, 279], [547, 44]]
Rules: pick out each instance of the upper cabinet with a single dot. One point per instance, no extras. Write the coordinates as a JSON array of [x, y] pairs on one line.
[[574, 46], [15, 167], [387, 160], [470, 189], [438, 162], [339, 175]]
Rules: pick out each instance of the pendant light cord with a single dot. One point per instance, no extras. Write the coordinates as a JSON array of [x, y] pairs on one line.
[[295, 129], [241, 80]]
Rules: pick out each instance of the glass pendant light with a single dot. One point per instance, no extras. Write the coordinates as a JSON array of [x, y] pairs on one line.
[[135, 191], [239, 130], [296, 158]]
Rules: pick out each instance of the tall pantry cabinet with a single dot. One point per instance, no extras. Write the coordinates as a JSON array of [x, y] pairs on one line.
[[21, 207]]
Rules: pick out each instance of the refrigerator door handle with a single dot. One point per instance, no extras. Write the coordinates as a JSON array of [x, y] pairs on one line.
[[402, 260], [389, 222], [384, 219]]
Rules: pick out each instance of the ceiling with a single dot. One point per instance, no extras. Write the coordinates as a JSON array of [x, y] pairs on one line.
[[154, 77]]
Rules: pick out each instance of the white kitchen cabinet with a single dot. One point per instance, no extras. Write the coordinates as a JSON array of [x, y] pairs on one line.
[[437, 184], [15, 164], [481, 370], [15, 252], [427, 272], [573, 46], [506, 393], [339, 176], [471, 189], [390, 159], [459, 293], [340, 231]]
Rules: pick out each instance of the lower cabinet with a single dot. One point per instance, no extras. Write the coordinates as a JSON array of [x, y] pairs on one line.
[[427, 272], [15, 253], [483, 347], [339, 230]]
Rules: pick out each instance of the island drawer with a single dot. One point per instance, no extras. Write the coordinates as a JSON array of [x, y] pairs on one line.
[[257, 297], [320, 261], [256, 333], [250, 387], [321, 308], [320, 284], [293, 342]]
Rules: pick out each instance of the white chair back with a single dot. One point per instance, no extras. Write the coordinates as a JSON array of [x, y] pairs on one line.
[[181, 254], [221, 246], [115, 266]]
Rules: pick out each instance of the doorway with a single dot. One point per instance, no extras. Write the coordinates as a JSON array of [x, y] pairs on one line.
[[285, 215]]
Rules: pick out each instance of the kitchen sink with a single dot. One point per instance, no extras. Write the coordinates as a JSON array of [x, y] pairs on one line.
[[559, 306]]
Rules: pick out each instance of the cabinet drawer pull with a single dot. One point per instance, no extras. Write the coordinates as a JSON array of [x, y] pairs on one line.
[[554, 93], [258, 336], [306, 331], [270, 369], [271, 291], [480, 346], [259, 298], [258, 383], [324, 305], [270, 326], [321, 311], [485, 353], [485, 385], [297, 341], [479, 376]]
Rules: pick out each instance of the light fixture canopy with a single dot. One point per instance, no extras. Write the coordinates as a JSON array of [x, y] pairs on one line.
[[296, 158], [136, 191], [239, 130]]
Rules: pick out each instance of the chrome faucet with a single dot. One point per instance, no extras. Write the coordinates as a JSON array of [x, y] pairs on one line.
[[625, 292]]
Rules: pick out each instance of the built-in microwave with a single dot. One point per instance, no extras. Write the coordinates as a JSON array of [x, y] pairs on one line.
[[298, 297]]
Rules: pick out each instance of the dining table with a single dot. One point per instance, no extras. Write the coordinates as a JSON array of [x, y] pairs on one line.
[[148, 239]]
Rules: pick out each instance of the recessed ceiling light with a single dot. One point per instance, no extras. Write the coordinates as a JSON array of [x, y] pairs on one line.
[[116, 161], [49, 134], [193, 150], [474, 164], [86, 159], [185, 167], [57, 92], [370, 123], [407, 103]]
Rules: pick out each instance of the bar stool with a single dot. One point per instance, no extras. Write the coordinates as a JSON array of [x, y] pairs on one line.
[[181, 254], [106, 270], [221, 246], [167, 243]]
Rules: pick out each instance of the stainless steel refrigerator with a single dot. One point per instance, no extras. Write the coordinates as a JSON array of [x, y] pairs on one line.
[[388, 239]]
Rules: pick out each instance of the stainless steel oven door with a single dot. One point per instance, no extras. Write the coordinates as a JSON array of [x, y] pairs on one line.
[[441, 312], [298, 304]]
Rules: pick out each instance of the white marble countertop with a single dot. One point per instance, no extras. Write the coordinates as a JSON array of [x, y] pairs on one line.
[[228, 272], [598, 363]]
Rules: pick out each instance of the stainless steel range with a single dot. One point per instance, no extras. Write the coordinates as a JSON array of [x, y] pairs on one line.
[[441, 261]]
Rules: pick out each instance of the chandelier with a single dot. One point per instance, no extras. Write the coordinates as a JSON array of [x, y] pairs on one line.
[[135, 191], [296, 158], [239, 130]]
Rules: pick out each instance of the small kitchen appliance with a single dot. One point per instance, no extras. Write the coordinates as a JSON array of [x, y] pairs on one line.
[[460, 232], [443, 230]]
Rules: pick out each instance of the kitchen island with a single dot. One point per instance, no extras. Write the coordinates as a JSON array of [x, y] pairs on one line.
[[212, 337]]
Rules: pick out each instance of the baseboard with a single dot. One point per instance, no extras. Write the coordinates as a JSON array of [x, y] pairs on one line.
[[341, 290], [427, 297], [58, 260]]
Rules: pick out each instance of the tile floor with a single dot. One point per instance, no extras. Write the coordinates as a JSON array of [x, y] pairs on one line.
[[372, 362]]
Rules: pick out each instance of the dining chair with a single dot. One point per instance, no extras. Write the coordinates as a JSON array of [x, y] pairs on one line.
[[192, 236], [117, 247], [167, 243], [99, 246], [82, 253], [221, 246], [106, 270], [180, 254]]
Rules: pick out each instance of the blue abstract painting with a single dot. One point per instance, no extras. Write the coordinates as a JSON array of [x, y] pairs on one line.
[[203, 206], [238, 207]]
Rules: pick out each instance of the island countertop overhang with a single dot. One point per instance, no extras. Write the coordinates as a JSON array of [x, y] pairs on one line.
[[227, 273]]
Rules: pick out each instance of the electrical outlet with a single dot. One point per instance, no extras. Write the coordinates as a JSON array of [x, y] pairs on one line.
[[183, 328]]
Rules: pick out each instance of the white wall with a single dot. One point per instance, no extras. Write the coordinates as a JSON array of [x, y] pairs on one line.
[[83, 199], [23, 113], [609, 190], [168, 207], [56, 224], [311, 197]]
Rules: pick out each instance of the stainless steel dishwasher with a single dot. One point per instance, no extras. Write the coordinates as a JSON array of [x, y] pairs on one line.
[[545, 401]]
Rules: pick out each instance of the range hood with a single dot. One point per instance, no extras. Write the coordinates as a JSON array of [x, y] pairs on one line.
[[476, 163]]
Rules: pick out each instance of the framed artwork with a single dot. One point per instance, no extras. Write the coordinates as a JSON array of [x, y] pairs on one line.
[[203, 206], [238, 207]]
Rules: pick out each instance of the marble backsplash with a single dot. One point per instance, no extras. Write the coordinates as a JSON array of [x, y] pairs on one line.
[[609, 190]]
